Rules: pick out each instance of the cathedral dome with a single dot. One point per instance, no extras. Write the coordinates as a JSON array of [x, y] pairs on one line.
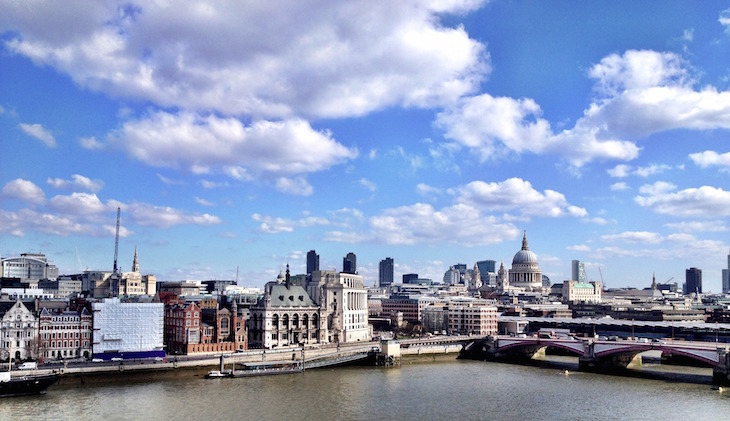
[[524, 256]]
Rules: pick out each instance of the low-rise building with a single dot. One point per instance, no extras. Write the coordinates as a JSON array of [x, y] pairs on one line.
[[285, 316], [19, 337], [65, 334], [472, 319], [29, 267], [587, 292]]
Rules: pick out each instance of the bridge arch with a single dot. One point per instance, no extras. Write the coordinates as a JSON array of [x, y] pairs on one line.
[[528, 347], [627, 352]]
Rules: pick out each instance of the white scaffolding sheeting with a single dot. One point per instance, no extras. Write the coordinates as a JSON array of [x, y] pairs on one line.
[[127, 327]]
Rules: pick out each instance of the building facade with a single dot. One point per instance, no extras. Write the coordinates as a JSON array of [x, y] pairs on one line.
[[410, 278], [693, 281], [349, 263], [29, 267], [182, 327], [578, 271], [587, 292], [19, 338], [345, 303], [134, 283], [312, 261], [488, 271], [285, 316], [525, 272], [65, 334], [472, 319], [726, 277], [386, 272]]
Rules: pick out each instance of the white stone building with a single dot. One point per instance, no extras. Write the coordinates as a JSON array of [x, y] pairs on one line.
[[19, 337], [344, 302], [587, 292], [286, 315], [525, 273]]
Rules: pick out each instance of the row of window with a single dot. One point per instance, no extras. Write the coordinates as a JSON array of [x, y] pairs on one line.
[[65, 327], [66, 335], [64, 344]]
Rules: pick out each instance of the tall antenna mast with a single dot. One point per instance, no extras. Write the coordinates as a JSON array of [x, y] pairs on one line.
[[116, 241]]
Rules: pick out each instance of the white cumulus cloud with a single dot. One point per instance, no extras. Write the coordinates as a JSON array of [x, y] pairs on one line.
[[24, 190], [76, 181], [238, 57], [191, 141], [39, 132], [711, 159], [516, 194], [703, 202]]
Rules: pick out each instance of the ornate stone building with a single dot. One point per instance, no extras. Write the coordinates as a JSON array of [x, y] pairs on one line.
[[284, 316], [134, 283], [343, 300], [19, 334], [525, 273], [65, 334]]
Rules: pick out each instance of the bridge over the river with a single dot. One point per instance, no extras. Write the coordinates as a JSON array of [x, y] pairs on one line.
[[602, 355]]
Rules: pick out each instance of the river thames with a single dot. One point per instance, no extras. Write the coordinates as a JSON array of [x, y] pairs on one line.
[[424, 389]]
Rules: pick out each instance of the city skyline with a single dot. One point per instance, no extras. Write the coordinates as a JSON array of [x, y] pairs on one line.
[[236, 137]]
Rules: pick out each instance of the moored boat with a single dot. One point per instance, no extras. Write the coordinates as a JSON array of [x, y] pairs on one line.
[[216, 374], [26, 384]]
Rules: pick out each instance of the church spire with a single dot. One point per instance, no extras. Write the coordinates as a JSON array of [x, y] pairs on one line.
[[288, 277], [135, 263], [524, 241]]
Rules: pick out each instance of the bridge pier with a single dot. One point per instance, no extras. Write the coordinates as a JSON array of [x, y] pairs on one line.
[[607, 365], [721, 372], [389, 355]]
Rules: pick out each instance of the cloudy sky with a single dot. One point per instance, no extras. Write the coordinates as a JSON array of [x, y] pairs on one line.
[[243, 134]]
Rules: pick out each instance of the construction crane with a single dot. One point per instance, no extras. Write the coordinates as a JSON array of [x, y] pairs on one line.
[[603, 284], [116, 241], [116, 275]]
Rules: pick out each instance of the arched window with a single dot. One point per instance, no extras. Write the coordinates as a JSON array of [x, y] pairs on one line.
[[275, 322], [295, 321], [305, 321], [285, 321]]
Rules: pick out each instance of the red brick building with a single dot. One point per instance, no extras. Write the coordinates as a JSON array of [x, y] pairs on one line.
[[200, 329], [64, 334]]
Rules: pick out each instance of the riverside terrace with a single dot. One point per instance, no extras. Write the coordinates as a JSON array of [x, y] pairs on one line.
[[689, 331]]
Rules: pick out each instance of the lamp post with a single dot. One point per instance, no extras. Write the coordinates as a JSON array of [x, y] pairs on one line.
[[632, 330]]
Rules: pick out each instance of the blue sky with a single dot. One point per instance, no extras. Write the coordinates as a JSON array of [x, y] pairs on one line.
[[243, 134]]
